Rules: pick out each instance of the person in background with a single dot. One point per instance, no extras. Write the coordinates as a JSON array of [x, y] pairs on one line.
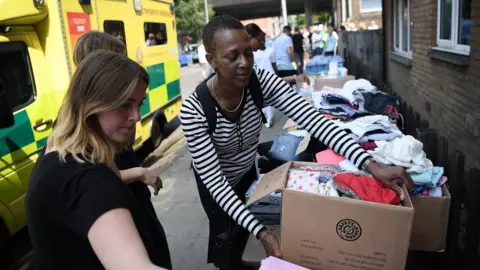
[[311, 30], [151, 40], [264, 58], [319, 40], [161, 39], [373, 25], [352, 26], [132, 173], [362, 26], [332, 42], [298, 49], [80, 214], [202, 60], [224, 160], [284, 54]]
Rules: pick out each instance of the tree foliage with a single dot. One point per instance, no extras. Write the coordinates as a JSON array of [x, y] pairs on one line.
[[190, 15]]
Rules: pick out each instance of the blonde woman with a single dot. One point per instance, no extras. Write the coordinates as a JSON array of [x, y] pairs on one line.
[[80, 214], [132, 173]]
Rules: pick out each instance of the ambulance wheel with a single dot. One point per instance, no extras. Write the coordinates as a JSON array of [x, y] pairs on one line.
[[157, 131]]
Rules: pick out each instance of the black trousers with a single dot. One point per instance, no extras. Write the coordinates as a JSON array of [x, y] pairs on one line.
[[227, 239]]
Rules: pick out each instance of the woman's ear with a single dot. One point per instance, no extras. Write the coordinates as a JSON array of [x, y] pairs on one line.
[[211, 61]]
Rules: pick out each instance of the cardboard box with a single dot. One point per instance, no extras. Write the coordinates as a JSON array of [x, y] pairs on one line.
[[335, 83], [329, 233], [430, 223]]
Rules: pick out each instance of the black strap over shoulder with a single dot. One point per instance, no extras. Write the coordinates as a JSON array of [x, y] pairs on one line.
[[257, 95], [208, 103]]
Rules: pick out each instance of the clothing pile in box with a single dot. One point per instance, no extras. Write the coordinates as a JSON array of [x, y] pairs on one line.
[[370, 117], [331, 180], [357, 98], [407, 152]]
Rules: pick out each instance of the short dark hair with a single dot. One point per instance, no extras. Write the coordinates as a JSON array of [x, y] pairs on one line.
[[297, 29], [218, 23], [287, 28], [253, 30]]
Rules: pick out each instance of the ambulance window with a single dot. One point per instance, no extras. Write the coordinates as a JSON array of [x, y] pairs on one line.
[[116, 29], [155, 34], [17, 75]]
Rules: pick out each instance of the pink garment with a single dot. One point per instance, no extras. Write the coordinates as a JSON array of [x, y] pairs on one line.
[[329, 157], [272, 263], [303, 181]]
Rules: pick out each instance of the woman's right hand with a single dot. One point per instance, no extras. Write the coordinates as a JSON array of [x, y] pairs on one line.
[[271, 245], [151, 178]]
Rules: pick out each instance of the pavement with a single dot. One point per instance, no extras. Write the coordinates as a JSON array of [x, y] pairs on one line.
[[178, 205]]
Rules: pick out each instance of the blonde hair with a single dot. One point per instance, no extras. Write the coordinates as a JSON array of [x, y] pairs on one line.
[[103, 82], [95, 40]]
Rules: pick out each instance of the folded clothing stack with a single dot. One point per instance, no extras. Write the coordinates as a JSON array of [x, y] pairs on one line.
[[407, 152], [268, 207], [371, 128]]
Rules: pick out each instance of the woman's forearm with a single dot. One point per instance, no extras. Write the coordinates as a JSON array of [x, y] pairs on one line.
[[290, 79], [132, 175]]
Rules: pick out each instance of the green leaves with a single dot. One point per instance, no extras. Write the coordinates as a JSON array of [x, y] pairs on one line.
[[190, 15]]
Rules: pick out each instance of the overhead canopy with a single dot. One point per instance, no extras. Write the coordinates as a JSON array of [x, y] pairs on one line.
[[253, 9]]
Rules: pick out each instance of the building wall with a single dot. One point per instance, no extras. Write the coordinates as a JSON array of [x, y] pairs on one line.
[[442, 92], [357, 16]]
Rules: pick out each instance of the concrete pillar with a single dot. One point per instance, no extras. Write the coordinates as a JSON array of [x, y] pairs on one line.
[[308, 5], [206, 11], [284, 12]]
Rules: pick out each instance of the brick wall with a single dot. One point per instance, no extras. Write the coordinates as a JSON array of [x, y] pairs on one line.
[[443, 93], [357, 16]]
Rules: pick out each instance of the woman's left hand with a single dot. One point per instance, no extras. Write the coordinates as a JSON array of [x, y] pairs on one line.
[[391, 176], [302, 78]]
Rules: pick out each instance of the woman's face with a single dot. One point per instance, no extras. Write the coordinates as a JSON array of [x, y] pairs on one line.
[[119, 124], [233, 56], [258, 42]]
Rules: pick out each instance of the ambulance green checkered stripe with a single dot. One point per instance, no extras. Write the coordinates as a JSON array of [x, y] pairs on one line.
[[145, 108], [17, 136], [173, 89], [157, 75], [41, 143]]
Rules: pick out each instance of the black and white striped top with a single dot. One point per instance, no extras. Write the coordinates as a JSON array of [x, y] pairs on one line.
[[221, 160]]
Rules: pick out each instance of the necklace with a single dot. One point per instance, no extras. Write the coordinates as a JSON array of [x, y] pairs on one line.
[[215, 94]]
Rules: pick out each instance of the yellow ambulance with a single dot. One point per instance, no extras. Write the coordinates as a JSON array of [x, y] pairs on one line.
[[37, 38]]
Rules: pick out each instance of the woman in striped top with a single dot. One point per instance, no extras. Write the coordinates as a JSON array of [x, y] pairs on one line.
[[224, 161]]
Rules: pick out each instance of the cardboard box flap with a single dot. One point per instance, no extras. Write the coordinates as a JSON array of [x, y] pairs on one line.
[[332, 82], [273, 181], [290, 124]]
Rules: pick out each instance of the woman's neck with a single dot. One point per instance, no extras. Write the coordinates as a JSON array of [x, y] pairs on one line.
[[224, 89]]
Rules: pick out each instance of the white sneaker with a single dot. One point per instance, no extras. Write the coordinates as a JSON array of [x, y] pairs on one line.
[[267, 125]]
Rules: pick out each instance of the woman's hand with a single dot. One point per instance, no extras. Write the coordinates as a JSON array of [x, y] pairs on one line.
[[391, 176], [303, 79], [151, 178], [271, 245]]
